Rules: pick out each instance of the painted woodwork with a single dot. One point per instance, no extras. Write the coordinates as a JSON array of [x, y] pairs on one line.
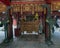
[[16, 8], [27, 8], [2, 7], [55, 6], [27, 0], [6, 2]]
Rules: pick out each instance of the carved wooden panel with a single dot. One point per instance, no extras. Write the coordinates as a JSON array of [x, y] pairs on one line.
[[16, 8], [55, 6], [38, 8], [2, 7], [26, 7], [32, 8]]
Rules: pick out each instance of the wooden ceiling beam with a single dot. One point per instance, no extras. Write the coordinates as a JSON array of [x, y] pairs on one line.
[[30, 2], [6, 2]]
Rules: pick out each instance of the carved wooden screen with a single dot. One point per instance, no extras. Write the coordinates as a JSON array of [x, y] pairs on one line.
[[27, 8], [55, 6], [2, 7], [16, 8]]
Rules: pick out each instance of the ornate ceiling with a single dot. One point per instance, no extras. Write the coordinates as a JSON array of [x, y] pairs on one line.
[[7, 2], [54, 3], [2, 7]]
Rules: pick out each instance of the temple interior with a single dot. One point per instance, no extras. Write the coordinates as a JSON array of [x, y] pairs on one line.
[[29, 23]]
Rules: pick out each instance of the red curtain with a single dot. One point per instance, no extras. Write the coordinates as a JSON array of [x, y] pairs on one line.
[[6, 2]]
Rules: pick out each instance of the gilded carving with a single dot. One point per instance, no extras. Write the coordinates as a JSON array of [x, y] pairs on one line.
[[55, 6], [16, 8], [2, 7], [32, 8], [36, 7], [26, 7], [40, 8]]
